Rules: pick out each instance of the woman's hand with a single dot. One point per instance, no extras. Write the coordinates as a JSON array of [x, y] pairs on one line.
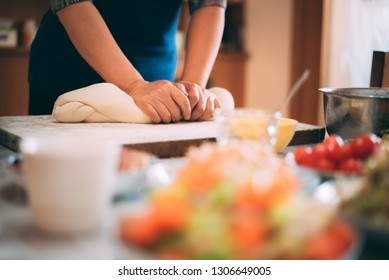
[[202, 102], [160, 100]]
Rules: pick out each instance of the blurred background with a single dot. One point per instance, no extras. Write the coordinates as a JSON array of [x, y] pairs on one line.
[[267, 44]]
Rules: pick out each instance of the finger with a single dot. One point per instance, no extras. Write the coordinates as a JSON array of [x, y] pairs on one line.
[[208, 112], [194, 92], [182, 102], [160, 97], [165, 97], [174, 110], [162, 111], [181, 87], [198, 111], [149, 110], [170, 106], [194, 95]]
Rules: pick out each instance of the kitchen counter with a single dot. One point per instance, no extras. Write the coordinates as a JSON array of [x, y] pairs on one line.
[[20, 240], [163, 140]]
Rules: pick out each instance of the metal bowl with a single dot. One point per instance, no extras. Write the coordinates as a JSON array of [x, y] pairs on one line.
[[349, 112]]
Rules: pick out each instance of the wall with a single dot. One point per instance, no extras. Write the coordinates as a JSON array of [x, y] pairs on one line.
[[355, 29], [268, 43]]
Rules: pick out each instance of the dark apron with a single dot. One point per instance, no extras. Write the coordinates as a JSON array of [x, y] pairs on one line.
[[145, 31]]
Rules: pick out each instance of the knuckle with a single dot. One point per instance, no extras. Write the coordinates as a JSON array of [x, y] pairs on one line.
[[203, 107], [195, 97], [191, 87], [164, 82]]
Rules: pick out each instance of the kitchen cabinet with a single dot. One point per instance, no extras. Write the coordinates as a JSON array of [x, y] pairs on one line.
[[14, 61], [13, 81]]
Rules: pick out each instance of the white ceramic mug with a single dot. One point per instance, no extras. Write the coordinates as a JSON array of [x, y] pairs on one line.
[[69, 182]]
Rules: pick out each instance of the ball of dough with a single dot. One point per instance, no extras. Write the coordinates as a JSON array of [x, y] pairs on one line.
[[224, 96], [105, 102]]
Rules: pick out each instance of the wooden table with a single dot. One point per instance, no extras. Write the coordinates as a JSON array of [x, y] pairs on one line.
[[163, 140]]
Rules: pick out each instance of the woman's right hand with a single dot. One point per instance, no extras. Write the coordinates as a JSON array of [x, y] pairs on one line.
[[160, 100]]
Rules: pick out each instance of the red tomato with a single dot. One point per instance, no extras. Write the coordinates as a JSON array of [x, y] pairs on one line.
[[346, 152], [334, 144], [333, 139], [301, 154], [351, 165], [320, 151], [335, 152], [363, 146], [309, 161], [325, 164]]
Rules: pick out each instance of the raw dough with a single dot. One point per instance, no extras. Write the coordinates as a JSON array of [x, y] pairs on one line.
[[105, 102]]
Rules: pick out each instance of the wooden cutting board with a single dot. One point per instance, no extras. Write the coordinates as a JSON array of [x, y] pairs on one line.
[[163, 140]]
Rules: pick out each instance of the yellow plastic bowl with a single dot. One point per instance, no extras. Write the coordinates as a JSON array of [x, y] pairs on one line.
[[285, 131]]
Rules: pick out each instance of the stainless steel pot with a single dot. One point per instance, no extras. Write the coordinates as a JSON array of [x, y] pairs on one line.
[[349, 112]]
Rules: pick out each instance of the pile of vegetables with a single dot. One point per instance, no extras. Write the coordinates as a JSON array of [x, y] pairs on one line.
[[236, 201]]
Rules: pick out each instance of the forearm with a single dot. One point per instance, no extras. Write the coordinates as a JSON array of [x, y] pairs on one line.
[[93, 40], [203, 41]]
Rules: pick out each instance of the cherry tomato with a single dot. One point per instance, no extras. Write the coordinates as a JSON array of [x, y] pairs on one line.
[[334, 144], [325, 164], [333, 139], [346, 152], [351, 165], [301, 154], [363, 146], [320, 151], [335, 152]]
